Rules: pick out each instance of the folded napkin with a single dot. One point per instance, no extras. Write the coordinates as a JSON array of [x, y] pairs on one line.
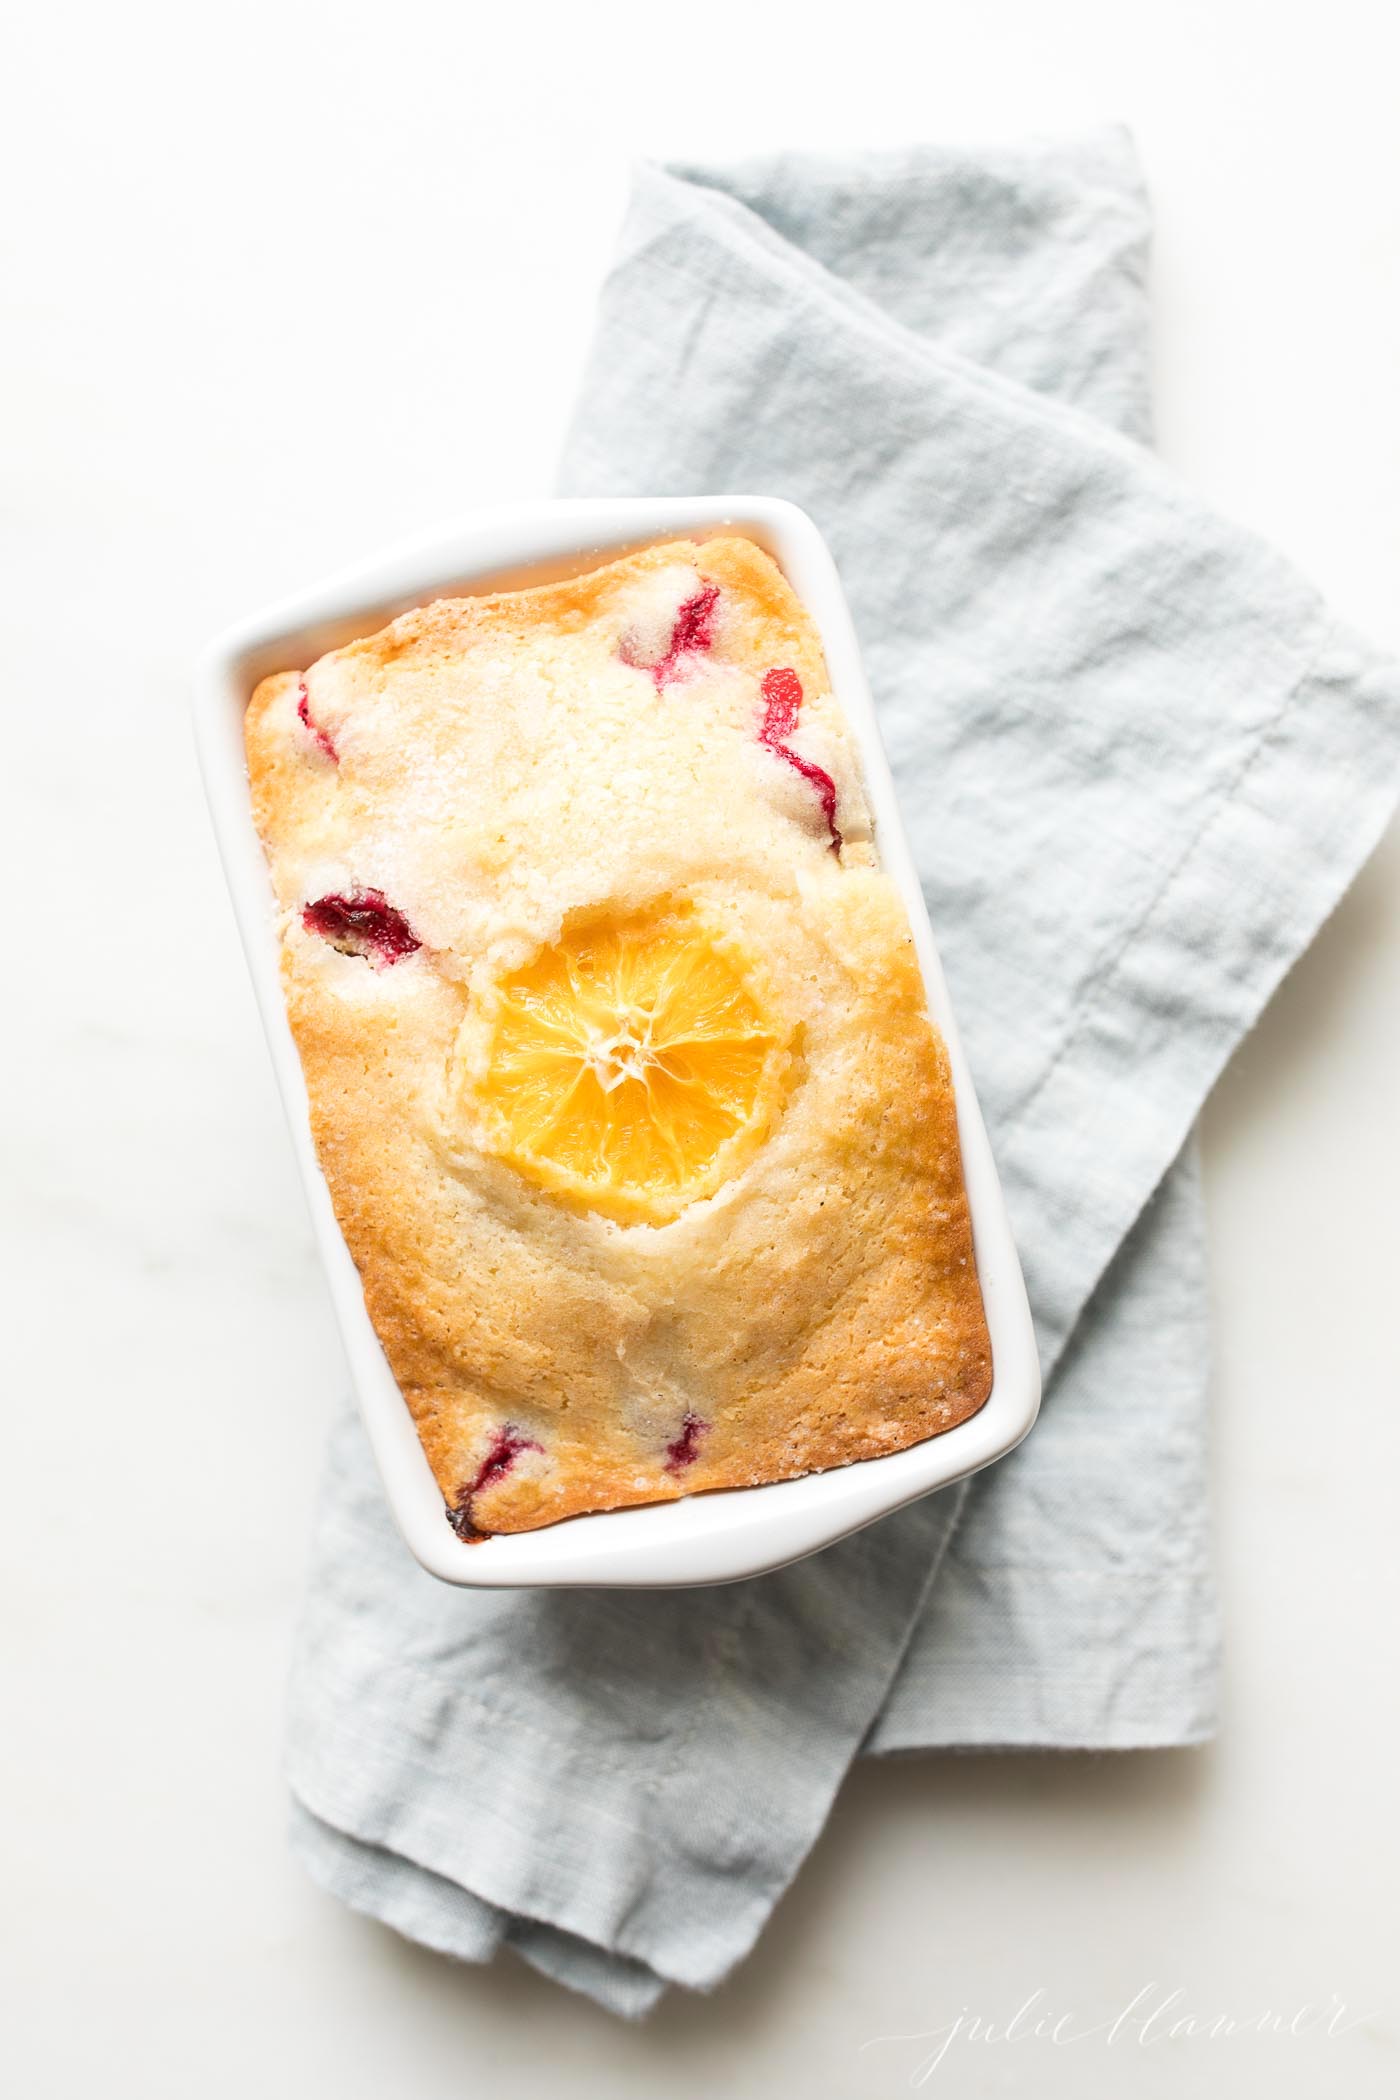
[[1139, 764]]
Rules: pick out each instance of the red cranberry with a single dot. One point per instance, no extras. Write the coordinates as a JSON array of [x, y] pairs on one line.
[[782, 699], [692, 634], [313, 729], [683, 1450], [506, 1447], [694, 631], [363, 924]]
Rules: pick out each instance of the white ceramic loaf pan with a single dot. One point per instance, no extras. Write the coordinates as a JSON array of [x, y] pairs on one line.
[[704, 1538]]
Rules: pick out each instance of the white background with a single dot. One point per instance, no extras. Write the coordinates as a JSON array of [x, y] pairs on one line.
[[286, 282]]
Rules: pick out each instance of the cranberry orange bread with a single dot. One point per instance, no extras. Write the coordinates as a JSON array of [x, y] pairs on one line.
[[615, 1039]]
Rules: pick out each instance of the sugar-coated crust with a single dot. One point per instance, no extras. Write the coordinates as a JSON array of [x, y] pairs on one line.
[[501, 768]]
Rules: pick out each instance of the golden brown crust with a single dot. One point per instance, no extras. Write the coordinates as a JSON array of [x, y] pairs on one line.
[[824, 1306]]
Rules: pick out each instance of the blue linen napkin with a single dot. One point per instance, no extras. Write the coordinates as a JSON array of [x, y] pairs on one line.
[[1139, 764]]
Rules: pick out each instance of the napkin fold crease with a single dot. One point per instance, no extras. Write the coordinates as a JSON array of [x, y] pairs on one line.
[[1139, 763]]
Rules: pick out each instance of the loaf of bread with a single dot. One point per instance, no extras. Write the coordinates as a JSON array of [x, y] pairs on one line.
[[620, 1068]]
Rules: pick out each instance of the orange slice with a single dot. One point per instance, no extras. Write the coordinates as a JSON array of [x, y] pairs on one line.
[[633, 1067]]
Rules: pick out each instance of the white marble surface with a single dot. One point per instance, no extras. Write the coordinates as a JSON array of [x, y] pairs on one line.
[[283, 283]]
